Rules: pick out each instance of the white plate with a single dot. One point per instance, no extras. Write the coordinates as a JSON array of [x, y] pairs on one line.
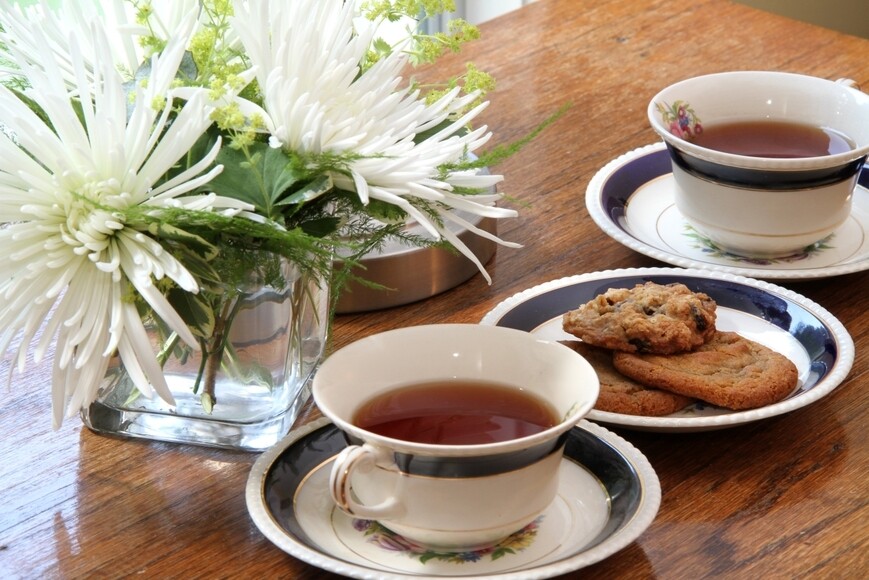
[[816, 342], [608, 495], [631, 200]]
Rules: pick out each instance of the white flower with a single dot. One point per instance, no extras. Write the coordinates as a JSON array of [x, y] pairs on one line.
[[307, 56], [68, 257], [57, 23]]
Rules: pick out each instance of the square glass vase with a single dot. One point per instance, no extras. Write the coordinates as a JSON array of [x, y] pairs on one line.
[[245, 393]]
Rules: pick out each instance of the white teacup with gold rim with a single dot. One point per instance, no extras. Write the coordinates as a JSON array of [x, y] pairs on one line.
[[467, 486], [764, 163]]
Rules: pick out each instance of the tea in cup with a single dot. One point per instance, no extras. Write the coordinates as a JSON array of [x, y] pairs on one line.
[[764, 163], [456, 431]]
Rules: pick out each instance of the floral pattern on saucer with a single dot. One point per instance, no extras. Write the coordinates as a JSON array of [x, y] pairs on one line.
[[389, 540], [631, 200], [608, 494], [709, 247]]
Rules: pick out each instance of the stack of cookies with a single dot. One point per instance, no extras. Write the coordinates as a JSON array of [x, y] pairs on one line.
[[656, 350]]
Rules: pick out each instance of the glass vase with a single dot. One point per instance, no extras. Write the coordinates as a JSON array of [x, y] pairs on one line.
[[245, 387]]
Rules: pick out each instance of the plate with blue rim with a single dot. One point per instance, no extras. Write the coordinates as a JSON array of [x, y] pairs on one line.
[[608, 495], [787, 322], [631, 200]]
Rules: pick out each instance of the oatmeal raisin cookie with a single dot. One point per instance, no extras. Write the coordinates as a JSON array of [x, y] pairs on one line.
[[648, 318], [620, 394], [730, 371]]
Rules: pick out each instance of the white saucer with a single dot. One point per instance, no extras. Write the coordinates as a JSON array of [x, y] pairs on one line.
[[608, 495], [631, 200], [812, 338]]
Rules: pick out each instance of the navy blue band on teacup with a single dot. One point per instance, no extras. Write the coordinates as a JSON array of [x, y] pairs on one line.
[[772, 180], [477, 466]]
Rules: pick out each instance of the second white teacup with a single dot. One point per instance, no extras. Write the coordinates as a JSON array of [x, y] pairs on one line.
[[452, 496], [767, 203]]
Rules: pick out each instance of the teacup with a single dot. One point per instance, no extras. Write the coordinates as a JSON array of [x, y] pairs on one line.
[[451, 497], [765, 203]]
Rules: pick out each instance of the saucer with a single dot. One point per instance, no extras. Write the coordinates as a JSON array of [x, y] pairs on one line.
[[608, 495], [812, 338], [631, 200]]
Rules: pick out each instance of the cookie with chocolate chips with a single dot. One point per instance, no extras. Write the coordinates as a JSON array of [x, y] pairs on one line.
[[648, 318], [730, 371], [623, 395]]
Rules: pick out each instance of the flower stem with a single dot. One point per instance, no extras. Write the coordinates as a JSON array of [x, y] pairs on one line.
[[214, 356]]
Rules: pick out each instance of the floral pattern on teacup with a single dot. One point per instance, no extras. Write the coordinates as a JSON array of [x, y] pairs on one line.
[[389, 540], [709, 247], [680, 119]]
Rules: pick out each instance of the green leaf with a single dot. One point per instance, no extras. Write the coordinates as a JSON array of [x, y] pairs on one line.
[[321, 227], [278, 173], [259, 176], [385, 211], [422, 136], [248, 372], [200, 149], [187, 68], [194, 310], [200, 267], [235, 179], [319, 186], [184, 238], [31, 104]]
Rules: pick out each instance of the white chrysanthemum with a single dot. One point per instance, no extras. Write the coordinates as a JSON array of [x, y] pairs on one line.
[[307, 55], [58, 22], [68, 257]]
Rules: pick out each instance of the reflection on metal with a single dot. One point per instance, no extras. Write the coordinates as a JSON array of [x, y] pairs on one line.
[[411, 273]]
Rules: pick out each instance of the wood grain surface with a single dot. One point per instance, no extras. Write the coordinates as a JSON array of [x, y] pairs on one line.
[[782, 498]]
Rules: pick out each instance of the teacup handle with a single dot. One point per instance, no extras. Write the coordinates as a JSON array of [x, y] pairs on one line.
[[360, 457]]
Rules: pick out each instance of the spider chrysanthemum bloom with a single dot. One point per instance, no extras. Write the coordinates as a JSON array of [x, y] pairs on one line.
[[75, 164], [122, 31], [318, 98]]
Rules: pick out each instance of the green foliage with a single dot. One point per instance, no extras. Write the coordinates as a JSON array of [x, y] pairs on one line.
[[500, 153], [256, 174], [31, 104], [428, 48], [473, 80], [296, 210], [195, 310]]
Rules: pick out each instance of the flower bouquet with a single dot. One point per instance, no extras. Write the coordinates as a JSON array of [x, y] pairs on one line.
[[167, 167]]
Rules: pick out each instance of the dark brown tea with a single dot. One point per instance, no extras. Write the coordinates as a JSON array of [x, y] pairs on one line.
[[777, 139], [456, 413]]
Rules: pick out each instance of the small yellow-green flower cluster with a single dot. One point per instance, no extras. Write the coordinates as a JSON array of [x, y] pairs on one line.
[[394, 10], [153, 43], [428, 48], [217, 65], [473, 80], [214, 59], [243, 130], [431, 47]]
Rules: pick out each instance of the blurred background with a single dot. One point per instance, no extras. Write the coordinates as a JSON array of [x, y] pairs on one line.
[[850, 16]]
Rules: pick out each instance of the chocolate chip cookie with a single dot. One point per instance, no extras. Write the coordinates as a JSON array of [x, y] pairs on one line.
[[648, 318], [620, 394], [729, 371]]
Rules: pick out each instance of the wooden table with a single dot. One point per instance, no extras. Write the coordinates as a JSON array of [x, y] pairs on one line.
[[782, 498]]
